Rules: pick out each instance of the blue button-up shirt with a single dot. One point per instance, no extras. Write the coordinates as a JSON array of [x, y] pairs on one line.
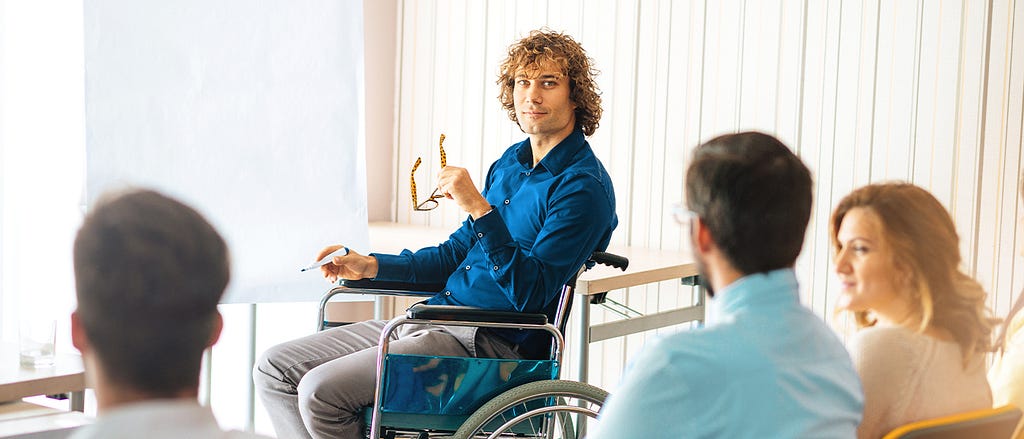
[[764, 367], [545, 223]]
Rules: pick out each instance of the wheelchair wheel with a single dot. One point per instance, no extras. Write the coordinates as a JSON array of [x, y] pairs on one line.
[[534, 408]]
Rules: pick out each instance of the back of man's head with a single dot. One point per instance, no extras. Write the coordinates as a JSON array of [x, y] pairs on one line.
[[149, 272], [754, 196]]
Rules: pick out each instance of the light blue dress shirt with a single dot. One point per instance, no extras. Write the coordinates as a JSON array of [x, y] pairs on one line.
[[765, 367]]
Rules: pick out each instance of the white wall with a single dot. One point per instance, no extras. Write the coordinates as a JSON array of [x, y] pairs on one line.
[[380, 31], [41, 155], [928, 91]]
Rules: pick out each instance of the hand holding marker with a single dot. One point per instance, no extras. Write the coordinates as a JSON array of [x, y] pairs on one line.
[[327, 259]]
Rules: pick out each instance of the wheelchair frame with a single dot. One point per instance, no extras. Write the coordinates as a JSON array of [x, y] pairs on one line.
[[474, 317], [395, 323]]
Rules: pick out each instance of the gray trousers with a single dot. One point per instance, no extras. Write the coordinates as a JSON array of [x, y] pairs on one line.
[[315, 386]]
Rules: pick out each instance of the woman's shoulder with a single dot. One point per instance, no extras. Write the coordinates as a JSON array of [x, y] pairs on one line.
[[885, 338], [886, 350]]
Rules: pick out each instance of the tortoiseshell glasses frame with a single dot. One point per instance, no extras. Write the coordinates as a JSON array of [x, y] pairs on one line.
[[430, 203]]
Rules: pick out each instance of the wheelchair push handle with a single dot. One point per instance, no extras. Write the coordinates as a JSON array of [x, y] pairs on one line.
[[613, 260]]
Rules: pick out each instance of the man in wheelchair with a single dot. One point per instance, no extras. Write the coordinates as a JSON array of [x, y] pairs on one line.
[[547, 204]]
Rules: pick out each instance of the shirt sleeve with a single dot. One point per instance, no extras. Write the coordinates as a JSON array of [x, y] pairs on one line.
[[578, 218], [429, 264]]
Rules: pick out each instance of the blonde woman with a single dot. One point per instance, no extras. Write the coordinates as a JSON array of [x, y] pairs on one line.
[[925, 330], [1007, 373]]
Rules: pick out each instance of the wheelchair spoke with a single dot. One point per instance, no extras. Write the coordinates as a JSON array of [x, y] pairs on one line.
[[544, 409]]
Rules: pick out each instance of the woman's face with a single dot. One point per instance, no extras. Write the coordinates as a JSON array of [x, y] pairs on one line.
[[864, 265]]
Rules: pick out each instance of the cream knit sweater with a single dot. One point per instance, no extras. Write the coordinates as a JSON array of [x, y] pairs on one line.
[[909, 377]]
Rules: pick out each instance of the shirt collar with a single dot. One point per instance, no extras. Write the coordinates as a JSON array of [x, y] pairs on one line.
[[157, 413], [754, 291], [559, 158]]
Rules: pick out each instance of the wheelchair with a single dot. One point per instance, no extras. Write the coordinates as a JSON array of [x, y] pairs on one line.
[[455, 397]]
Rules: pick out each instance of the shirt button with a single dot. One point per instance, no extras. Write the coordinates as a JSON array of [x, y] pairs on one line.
[[527, 173], [495, 268], [447, 293], [506, 202], [467, 267], [479, 235]]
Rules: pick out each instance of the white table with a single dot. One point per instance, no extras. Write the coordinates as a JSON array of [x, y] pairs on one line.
[[16, 381], [24, 420], [646, 266]]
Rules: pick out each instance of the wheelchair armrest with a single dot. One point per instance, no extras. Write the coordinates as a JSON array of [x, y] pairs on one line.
[[420, 311], [384, 288], [370, 284], [371, 287]]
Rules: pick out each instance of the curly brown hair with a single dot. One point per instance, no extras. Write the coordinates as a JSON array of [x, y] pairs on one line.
[[544, 46], [926, 249]]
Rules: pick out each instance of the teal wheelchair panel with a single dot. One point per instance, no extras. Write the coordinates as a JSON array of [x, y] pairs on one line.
[[421, 422], [453, 386]]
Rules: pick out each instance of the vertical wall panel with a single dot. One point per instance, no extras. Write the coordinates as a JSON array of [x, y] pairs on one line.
[[479, 93], [866, 87], [620, 106], [852, 101], [646, 194], [684, 93], [567, 15], [790, 68], [759, 75], [600, 45], [927, 91], [404, 100], [1002, 163], [992, 192], [968, 128], [723, 50], [817, 150], [1012, 165], [940, 56], [663, 145], [895, 91]]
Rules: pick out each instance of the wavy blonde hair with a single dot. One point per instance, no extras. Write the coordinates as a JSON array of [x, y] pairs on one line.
[[545, 46], [926, 258]]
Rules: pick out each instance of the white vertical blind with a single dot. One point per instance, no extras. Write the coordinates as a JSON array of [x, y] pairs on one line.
[[928, 91]]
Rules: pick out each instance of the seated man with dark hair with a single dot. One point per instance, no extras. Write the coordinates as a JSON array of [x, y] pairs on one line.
[[149, 272], [765, 366]]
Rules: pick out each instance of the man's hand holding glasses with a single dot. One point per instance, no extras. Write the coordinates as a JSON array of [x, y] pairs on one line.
[[453, 183]]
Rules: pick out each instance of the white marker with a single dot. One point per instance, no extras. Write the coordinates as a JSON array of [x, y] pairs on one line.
[[327, 259]]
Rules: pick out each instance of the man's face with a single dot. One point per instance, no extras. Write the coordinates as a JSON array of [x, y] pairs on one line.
[[541, 99]]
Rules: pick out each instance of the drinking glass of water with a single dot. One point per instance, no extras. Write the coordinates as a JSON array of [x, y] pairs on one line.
[[36, 339]]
